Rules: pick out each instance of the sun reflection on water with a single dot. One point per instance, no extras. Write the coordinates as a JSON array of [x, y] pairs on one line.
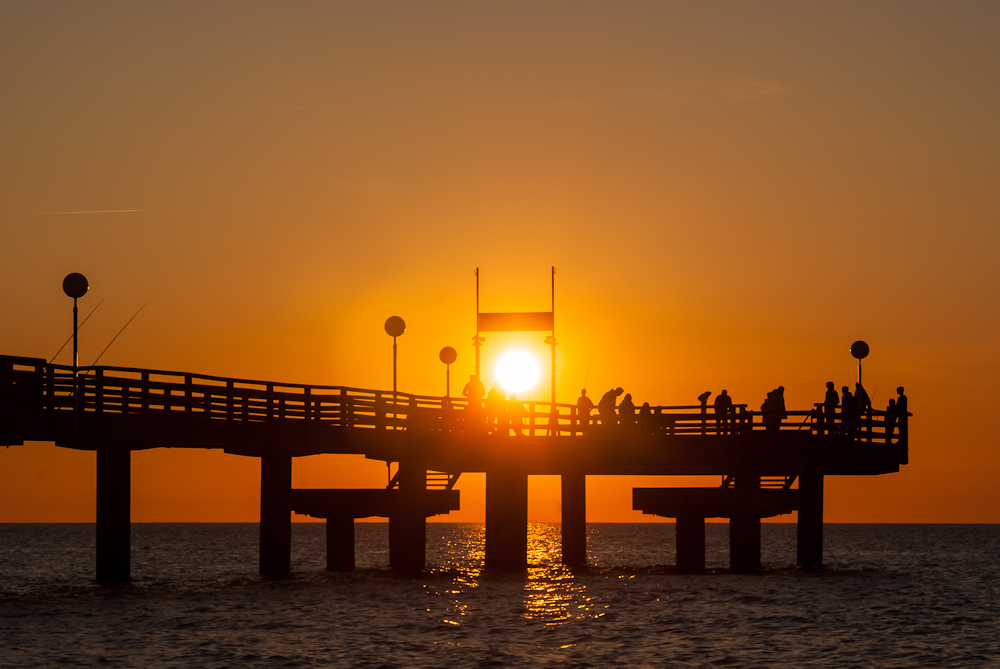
[[551, 594]]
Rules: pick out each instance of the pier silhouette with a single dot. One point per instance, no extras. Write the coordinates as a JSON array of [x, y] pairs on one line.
[[764, 470]]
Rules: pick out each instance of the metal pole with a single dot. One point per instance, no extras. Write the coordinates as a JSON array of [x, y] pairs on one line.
[[476, 341], [394, 399], [76, 354], [447, 380], [553, 338]]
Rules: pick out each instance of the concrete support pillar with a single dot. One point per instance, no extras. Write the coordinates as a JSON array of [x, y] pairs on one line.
[[744, 527], [407, 523], [114, 513], [690, 545], [275, 516], [340, 543], [574, 520], [810, 525], [506, 520]]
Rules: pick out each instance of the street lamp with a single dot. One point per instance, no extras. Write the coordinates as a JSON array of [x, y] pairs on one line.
[[859, 350], [394, 327], [75, 285], [448, 355]]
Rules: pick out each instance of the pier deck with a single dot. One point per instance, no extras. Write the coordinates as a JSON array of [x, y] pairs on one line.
[[115, 410]]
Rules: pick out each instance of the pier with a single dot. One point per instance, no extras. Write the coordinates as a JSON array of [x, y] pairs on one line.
[[763, 470]]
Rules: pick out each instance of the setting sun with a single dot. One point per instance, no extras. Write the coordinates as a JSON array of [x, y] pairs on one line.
[[517, 371]]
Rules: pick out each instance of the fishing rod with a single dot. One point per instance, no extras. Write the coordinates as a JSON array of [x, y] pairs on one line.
[[116, 337], [77, 329], [588, 370]]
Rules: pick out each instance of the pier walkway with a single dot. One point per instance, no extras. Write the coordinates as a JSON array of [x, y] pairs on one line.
[[763, 469]]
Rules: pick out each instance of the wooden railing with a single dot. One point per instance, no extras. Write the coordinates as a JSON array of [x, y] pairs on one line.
[[125, 390]]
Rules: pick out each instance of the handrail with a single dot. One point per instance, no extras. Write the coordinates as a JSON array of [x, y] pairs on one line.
[[108, 389]]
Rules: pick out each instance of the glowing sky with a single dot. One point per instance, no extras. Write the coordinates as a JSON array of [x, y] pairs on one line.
[[732, 194]]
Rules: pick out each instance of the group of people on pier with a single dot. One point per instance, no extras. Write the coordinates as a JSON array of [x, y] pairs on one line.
[[838, 414], [501, 412], [854, 406]]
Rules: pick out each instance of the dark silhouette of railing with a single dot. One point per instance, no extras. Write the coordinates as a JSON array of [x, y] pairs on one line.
[[33, 384]]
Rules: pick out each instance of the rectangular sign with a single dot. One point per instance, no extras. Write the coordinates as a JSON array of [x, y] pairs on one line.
[[516, 322]]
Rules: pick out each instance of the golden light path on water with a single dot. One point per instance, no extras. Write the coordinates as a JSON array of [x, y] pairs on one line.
[[552, 594]]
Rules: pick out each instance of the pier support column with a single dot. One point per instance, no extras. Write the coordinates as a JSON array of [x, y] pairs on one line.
[[114, 513], [340, 543], [407, 523], [744, 527], [690, 545], [810, 524], [574, 519], [275, 516], [506, 520]]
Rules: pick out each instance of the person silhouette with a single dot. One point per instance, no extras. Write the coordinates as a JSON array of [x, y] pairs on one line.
[[626, 412], [773, 409], [474, 390], [646, 418], [494, 408], [606, 407], [891, 415], [723, 407], [902, 413], [861, 397], [583, 408], [901, 409], [516, 411], [830, 407], [848, 411]]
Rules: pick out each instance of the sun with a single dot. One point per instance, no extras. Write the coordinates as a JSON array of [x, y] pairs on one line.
[[516, 371]]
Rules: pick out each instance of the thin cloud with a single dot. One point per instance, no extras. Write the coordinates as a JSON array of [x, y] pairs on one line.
[[672, 91], [67, 213]]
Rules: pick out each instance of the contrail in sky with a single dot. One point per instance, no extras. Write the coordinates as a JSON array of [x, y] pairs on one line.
[[60, 213]]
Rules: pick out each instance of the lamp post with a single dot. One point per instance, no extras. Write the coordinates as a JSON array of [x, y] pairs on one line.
[[394, 327], [75, 285], [448, 355], [859, 350]]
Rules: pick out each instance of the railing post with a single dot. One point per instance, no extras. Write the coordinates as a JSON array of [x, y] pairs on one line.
[[99, 392], [188, 394], [309, 410], [379, 412], [229, 400]]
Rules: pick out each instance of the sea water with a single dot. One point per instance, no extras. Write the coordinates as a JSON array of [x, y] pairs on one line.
[[888, 596]]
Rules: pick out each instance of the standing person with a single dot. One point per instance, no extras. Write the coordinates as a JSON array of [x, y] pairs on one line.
[[503, 417], [646, 418], [494, 408], [830, 407], [516, 411], [626, 412], [901, 409], [475, 391], [861, 397], [864, 404], [583, 408], [723, 407], [902, 413], [848, 411], [773, 409], [606, 407], [891, 415]]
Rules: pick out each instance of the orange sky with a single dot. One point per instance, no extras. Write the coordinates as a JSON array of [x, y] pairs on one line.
[[732, 194]]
